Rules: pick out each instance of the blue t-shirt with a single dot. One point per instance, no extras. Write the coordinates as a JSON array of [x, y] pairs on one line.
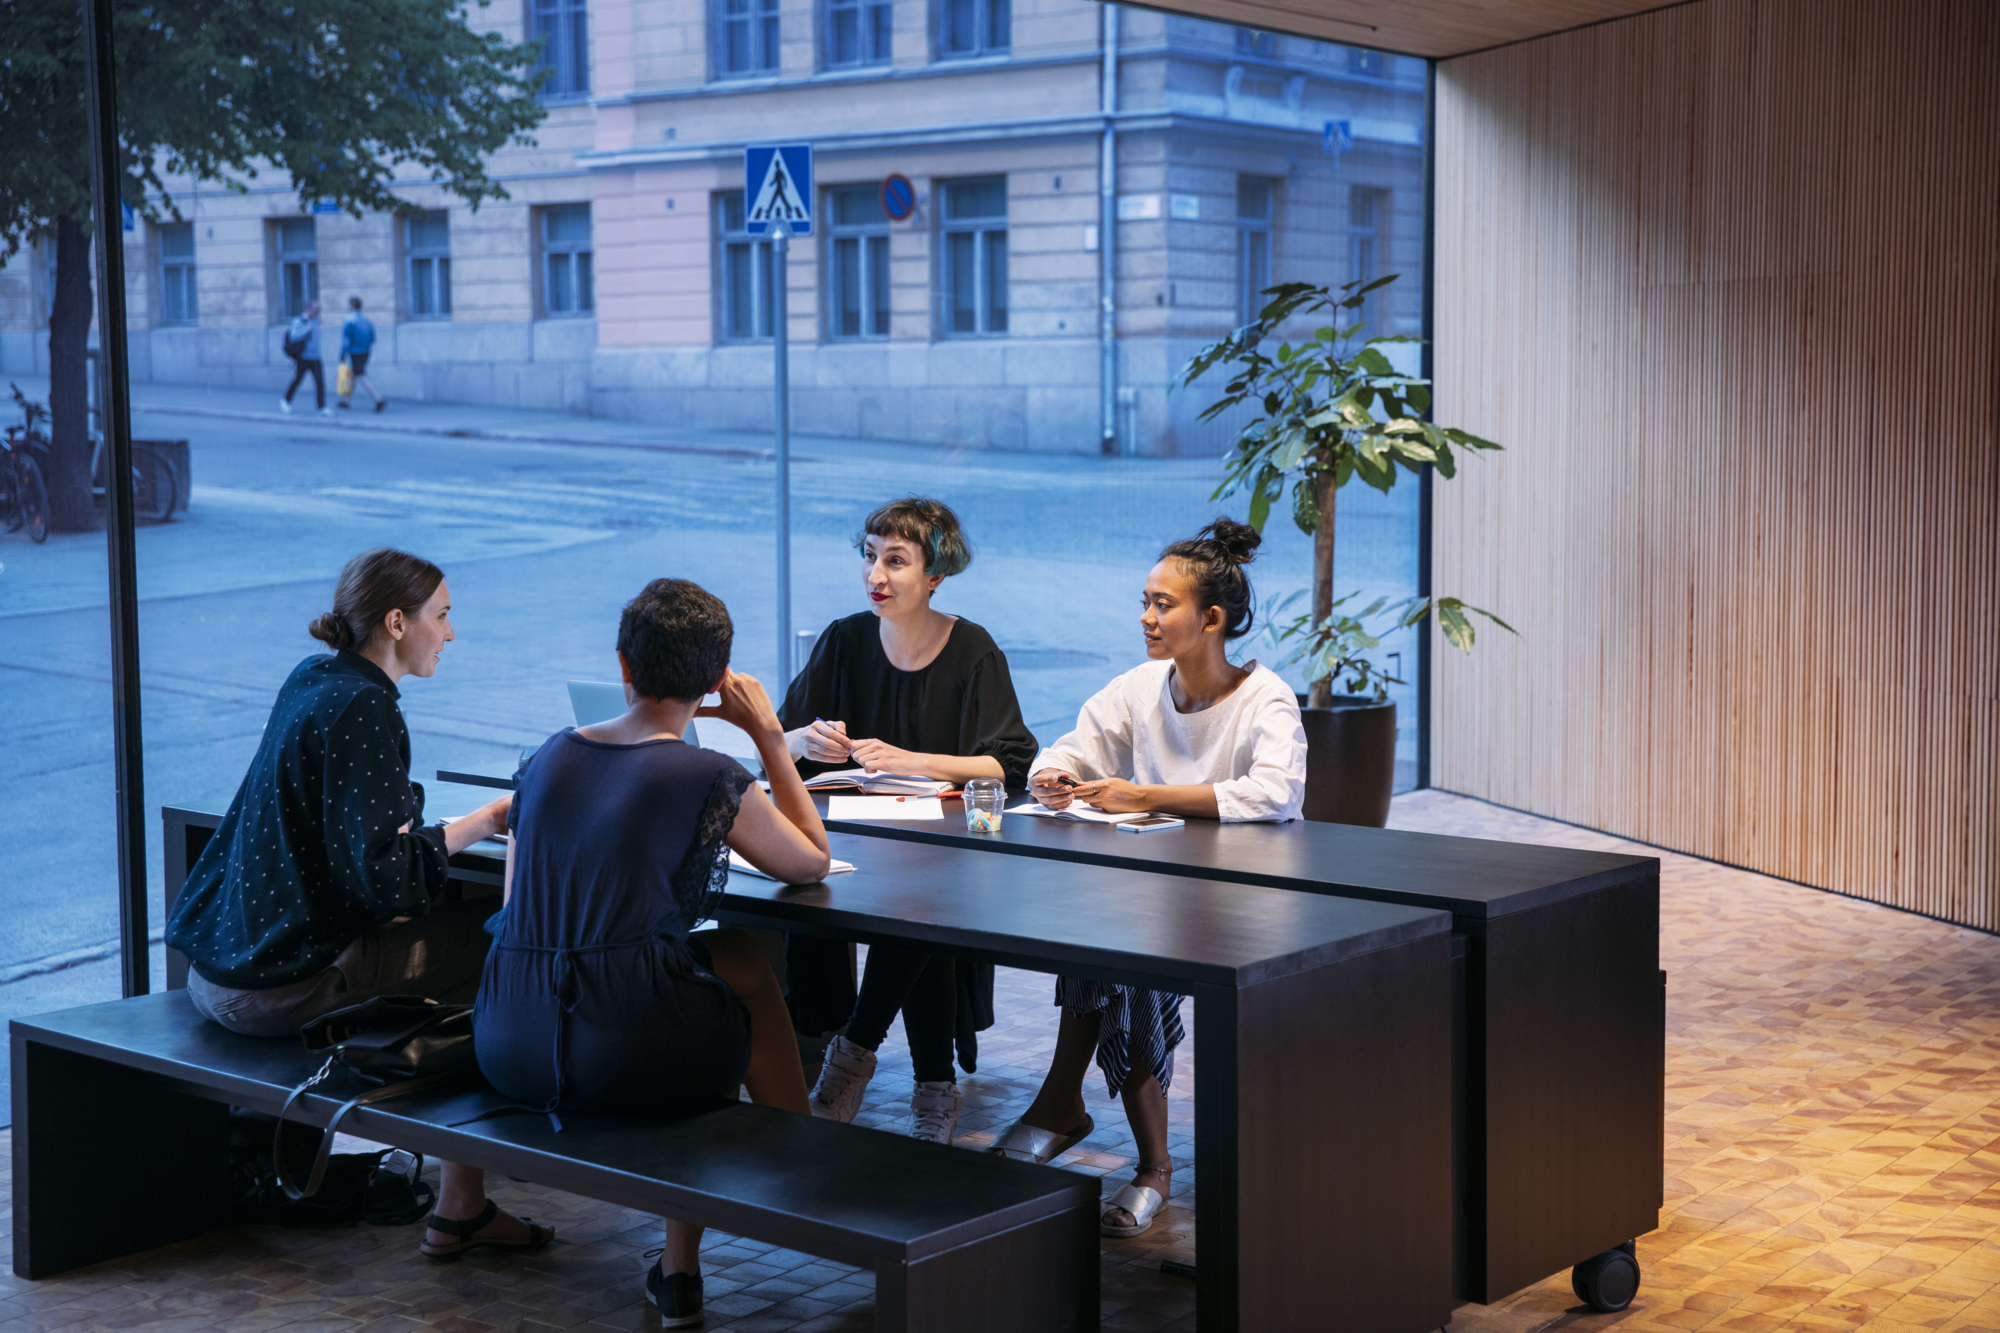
[[356, 335]]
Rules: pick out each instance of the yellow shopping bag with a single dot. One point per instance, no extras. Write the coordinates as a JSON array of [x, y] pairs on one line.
[[344, 382]]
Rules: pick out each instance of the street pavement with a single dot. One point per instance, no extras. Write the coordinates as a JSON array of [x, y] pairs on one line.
[[545, 524]]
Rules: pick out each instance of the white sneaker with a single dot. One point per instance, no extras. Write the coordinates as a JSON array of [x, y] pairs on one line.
[[842, 1080], [934, 1111], [326, 411], [285, 406]]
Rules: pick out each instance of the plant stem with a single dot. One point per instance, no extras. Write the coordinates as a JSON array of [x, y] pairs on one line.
[[1320, 692]]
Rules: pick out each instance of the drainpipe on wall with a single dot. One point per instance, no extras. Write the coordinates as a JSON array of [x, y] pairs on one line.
[[1107, 242]]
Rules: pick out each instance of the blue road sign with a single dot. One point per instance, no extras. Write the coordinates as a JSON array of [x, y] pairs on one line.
[[1337, 137], [777, 188], [899, 197]]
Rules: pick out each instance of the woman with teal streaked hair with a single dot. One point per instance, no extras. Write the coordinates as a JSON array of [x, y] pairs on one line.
[[900, 688]]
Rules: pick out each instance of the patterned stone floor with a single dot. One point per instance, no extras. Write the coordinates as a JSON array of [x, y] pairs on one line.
[[1832, 1152]]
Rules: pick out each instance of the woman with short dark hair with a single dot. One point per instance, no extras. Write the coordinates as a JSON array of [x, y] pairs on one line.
[[319, 889], [900, 688], [600, 994]]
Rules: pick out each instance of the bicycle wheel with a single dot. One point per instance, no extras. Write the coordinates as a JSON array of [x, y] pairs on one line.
[[155, 487], [33, 496]]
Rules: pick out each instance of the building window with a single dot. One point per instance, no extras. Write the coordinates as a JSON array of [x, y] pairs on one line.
[[298, 265], [1251, 42], [858, 304], [744, 279], [975, 27], [566, 284], [858, 32], [1253, 244], [746, 38], [975, 256], [564, 27], [177, 302], [1367, 209], [427, 247]]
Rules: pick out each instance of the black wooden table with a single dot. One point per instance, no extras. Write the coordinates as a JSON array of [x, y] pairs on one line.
[[1322, 1088], [1562, 1019]]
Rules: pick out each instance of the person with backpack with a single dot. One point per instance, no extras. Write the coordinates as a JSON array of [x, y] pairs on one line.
[[357, 340], [302, 345]]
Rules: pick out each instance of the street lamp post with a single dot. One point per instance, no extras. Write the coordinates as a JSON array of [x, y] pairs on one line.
[[781, 235]]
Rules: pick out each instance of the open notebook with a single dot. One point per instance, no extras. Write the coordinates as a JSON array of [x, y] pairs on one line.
[[877, 784], [1082, 814]]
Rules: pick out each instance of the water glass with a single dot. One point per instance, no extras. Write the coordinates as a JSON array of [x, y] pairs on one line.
[[985, 799]]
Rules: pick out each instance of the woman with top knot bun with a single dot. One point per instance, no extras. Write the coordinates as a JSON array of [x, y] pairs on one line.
[[319, 889], [1192, 734]]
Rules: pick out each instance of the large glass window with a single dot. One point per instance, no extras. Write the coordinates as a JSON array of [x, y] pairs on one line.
[[970, 28], [427, 254], [746, 38], [298, 264], [177, 289], [1253, 243], [566, 282], [564, 27], [975, 256], [858, 280], [743, 274], [859, 32]]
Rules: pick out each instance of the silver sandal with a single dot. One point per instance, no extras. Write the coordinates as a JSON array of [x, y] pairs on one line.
[[1142, 1201], [1024, 1143]]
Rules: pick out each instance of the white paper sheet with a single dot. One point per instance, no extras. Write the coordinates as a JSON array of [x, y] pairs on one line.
[[736, 862], [884, 807]]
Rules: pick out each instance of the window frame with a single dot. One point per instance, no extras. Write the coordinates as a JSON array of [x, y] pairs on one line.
[[1256, 246], [577, 256], [757, 251], [871, 243], [437, 256], [285, 259], [169, 265], [766, 39], [875, 33], [567, 53], [983, 228], [983, 24]]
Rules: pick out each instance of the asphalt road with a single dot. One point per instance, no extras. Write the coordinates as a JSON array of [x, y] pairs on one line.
[[541, 544]]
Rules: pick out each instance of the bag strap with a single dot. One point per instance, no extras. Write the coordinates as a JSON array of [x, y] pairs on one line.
[[368, 1098]]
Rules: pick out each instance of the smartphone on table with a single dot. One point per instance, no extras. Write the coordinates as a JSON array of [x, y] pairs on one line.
[[1151, 824]]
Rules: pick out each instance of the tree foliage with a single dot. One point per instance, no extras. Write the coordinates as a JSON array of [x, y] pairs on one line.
[[343, 96], [1326, 411]]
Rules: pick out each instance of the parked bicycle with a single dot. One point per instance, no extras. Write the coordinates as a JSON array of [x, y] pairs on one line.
[[24, 495]]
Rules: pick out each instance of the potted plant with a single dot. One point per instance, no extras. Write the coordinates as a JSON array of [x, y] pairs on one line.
[[1329, 411]]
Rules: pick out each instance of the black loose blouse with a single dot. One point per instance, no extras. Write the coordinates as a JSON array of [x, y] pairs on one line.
[[309, 855], [961, 704]]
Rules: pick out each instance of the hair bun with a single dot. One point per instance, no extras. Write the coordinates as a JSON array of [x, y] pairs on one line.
[[331, 630], [1239, 541]]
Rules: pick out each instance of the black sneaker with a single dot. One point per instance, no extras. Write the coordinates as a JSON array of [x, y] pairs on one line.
[[676, 1297]]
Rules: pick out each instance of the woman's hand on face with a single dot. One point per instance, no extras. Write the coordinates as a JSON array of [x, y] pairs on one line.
[[827, 743], [1112, 795], [1048, 791], [743, 703], [882, 757]]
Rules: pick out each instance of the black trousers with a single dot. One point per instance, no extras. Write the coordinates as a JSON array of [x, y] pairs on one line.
[[319, 380], [922, 987]]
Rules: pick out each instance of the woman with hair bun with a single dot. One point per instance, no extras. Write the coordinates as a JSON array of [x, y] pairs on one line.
[[1192, 734], [318, 890]]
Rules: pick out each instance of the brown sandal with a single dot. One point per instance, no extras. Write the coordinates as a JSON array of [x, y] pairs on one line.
[[467, 1230]]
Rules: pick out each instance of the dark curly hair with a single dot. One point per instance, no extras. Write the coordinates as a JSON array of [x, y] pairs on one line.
[[372, 585], [675, 636], [929, 525], [1213, 560]]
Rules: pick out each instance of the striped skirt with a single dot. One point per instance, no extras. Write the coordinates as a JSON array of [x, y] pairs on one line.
[[1136, 1028]]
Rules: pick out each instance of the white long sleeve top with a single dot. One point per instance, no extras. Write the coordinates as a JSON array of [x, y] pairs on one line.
[[1251, 747]]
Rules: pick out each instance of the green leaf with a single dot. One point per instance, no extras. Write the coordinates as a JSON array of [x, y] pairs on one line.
[[1305, 505], [1458, 631], [1374, 362]]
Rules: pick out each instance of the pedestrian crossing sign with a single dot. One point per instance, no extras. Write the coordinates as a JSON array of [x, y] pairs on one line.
[[777, 183]]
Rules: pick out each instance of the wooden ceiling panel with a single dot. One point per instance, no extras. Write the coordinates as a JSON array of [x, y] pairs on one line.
[[1436, 28]]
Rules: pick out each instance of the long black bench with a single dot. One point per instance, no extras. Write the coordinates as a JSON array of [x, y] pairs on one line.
[[121, 1145]]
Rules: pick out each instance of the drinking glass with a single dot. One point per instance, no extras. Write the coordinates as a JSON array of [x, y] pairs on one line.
[[985, 799]]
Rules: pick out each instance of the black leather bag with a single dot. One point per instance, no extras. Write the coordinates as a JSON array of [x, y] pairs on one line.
[[399, 1043]]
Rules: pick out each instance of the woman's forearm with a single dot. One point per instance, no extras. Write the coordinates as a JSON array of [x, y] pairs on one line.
[[1195, 802], [958, 769], [788, 789]]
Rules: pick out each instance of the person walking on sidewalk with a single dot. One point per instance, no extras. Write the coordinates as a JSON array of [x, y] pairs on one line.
[[357, 340], [302, 345]]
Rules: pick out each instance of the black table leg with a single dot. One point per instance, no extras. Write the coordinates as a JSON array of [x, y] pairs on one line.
[[109, 1161], [1038, 1278], [1322, 1137]]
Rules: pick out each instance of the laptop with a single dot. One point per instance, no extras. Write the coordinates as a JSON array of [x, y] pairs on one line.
[[593, 701]]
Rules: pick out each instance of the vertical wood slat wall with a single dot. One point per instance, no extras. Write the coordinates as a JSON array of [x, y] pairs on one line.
[[1725, 281]]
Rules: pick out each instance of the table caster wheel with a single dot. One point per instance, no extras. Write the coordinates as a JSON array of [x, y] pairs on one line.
[[1607, 1282]]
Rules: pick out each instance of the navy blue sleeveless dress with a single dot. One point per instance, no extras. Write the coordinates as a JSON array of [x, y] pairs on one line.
[[594, 996]]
